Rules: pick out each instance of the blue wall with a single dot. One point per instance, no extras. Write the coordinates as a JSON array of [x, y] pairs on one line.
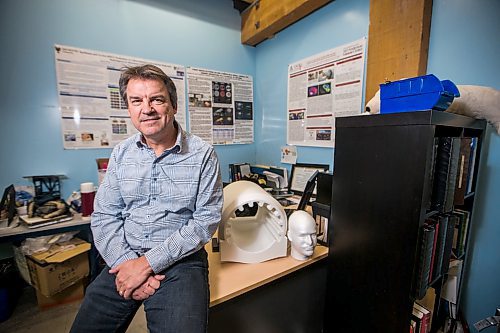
[[463, 47], [191, 33], [338, 23]]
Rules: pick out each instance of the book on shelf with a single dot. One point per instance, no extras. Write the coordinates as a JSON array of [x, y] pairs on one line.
[[453, 171], [416, 317], [461, 230], [463, 171], [413, 326], [450, 289], [237, 171], [436, 242], [472, 164], [435, 224], [424, 261], [425, 317], [441, 234], [447, 249], [232, 173], [421, 319], [445, 174], [429, 300], [435, 145]]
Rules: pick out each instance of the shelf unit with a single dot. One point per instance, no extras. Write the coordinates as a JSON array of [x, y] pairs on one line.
[[381, 188]]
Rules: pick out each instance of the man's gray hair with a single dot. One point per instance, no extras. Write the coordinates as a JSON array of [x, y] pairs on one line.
[[147, 72]]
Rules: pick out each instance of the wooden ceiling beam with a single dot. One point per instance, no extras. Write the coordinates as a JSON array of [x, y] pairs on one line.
[[264, 18], [398, 41]]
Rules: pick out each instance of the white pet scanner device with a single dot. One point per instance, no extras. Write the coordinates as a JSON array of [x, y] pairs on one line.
[[253, 226]]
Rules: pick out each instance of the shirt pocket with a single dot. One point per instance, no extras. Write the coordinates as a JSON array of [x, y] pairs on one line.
[[179, 189], [132, 179]]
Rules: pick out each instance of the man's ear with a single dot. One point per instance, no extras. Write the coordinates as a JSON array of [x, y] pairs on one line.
[[289, 236]]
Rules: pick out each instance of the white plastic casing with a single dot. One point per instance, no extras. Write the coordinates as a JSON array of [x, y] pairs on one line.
[[251, 239]]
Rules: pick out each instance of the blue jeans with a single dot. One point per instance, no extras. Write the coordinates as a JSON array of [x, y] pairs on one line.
[[179, 305]]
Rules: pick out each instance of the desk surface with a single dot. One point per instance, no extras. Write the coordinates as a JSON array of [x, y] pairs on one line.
[[229, 279], [23, 230]]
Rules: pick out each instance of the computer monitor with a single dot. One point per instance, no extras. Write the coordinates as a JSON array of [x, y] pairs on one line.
[[308, 191], [301, 172]]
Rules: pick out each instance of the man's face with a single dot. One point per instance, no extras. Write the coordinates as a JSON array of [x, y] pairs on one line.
[[149, 108]]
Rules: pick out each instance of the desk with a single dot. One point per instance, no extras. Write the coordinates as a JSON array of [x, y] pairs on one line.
[[279, 295], [22, 231], [231, 279]]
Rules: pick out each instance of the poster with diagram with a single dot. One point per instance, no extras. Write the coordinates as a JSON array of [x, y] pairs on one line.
[[92, 111], [321, 88], [220, 106]]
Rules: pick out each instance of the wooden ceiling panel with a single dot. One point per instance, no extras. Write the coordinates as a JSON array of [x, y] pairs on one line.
[[264, 18]]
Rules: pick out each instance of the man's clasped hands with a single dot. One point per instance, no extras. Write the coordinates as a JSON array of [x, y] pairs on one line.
[[135, 279]]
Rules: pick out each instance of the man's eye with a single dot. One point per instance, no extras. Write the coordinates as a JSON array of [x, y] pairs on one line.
[[136, 102], [158, 101]]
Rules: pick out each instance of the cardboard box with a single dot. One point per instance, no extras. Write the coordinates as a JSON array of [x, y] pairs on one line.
[[71, 294], [60, 267]]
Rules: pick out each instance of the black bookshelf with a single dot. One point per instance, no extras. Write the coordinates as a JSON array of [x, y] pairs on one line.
[[381, 190]]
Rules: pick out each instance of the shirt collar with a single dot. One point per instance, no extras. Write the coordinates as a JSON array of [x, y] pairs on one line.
[[178, 141]]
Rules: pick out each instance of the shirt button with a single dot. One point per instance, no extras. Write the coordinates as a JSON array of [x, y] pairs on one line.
[[147, 236]]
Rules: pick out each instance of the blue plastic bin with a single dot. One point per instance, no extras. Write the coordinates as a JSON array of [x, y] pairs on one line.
[[417, 94]]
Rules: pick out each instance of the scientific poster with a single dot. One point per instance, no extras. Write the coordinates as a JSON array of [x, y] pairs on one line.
[[220, 106], [93, 113], [321, 88]]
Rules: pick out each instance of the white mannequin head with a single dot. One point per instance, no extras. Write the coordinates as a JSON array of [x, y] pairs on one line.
[[302, 234]]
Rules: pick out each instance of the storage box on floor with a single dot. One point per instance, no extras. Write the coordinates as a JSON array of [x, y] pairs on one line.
[[71, 294], [58, 274]]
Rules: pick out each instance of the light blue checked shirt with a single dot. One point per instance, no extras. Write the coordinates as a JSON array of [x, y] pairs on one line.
[[165, 207]]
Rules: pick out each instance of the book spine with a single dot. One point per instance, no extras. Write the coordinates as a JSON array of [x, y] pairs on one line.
[[435, 145], [413, 326], [436, 226], [231, 173], [426, 317], [441, 174], [463, 221], [440, 247], [463, 171], [425, 257], [452, 176], [472, 164], [450, 229], [416, 317]]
